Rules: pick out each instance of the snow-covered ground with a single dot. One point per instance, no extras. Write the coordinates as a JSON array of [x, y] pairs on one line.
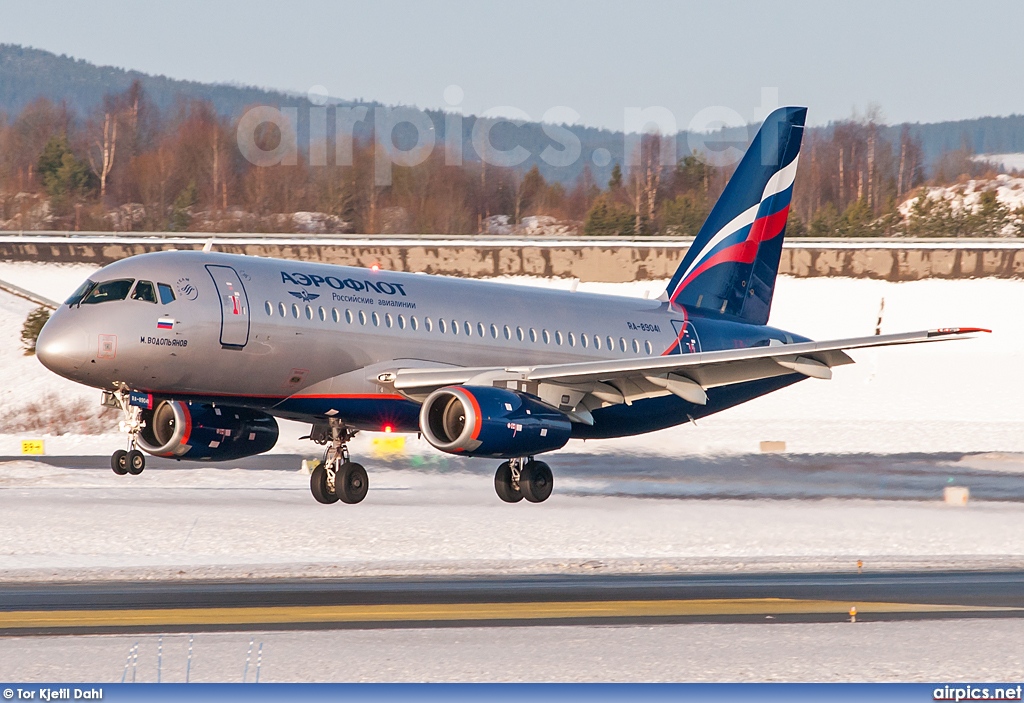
[[925, 651], [219, 523], [960, 396], [1009, 192], [1007, 162]]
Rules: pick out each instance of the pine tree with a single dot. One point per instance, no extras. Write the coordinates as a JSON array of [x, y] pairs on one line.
[[616, 180]]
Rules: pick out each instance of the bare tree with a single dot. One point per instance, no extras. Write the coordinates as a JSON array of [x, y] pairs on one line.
[[102, 150], [645, 180]]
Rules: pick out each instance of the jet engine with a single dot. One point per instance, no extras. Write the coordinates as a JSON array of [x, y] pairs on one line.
[[206, 432], [496, 422]]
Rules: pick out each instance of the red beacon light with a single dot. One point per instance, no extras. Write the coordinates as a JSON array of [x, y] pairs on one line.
[[389, 428], [375, 268]]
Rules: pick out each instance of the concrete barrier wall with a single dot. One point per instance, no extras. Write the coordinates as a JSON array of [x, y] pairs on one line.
[[587, 260]]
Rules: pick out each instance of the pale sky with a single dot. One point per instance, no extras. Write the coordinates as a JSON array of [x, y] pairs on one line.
[[919, 61]]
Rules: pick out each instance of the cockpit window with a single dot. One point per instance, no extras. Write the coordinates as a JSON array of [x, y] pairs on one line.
[[144, 291], [80, 292], [166, 293], [110, 290]]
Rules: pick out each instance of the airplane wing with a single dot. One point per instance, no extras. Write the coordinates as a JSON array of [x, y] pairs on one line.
[[581, 386]]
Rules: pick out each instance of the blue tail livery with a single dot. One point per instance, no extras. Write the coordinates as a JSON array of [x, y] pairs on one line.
[[731, 266]]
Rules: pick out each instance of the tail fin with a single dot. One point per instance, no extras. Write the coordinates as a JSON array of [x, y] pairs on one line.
[[731, 266]]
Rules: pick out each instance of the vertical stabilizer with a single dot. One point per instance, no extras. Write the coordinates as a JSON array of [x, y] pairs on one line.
[[731, 266]]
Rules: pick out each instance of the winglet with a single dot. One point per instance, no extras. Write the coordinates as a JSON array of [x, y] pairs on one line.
[[955, 331]]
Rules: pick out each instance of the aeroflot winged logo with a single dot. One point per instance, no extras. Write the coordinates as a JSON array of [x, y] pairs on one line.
[[354, 284], [304, 295]]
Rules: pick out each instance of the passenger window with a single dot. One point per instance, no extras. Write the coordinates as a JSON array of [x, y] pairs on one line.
[[494, 330], [508, 333], [480, 329], [442, 325], [414, 323], [348, 316], [401, 322], [295, 310], [166, 293], [455, 327], [597, 341], [362, 317], [583, 340], [323, 315], [636, 347], [533, 335], [519, 333], [111, 290], [572, 340], [649, 348], [309, 313], [469, 330], [558, 337], [376, 319], [388, 320], [611, 344], [269, 308], [282, 310], [428, 324], [546, 336], [334, 315]]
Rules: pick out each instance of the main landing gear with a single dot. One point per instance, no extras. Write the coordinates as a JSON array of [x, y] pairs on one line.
[[337, 477], [523, 478], [130, 460]]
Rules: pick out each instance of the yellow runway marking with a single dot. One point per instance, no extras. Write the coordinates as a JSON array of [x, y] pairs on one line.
[[274, 615]]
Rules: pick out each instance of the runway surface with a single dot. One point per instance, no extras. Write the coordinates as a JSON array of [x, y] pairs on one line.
[[576, 600]]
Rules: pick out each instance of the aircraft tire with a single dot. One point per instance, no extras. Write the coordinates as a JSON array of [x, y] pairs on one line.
[[351, 483], [536, 481], [135, 462], [318, 486], [503, 484], [119, 462]]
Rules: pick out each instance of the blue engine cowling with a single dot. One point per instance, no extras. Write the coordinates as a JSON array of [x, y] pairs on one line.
[[486, 421], [200, 431]]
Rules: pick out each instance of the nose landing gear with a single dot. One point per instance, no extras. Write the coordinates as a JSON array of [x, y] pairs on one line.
[[337, 478], [130, 460], [521, 478]]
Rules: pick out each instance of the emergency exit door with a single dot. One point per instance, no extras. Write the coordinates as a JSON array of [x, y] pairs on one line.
[[234, 306]]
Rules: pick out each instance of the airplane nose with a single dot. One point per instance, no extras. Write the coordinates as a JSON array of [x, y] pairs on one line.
[[62, 346]]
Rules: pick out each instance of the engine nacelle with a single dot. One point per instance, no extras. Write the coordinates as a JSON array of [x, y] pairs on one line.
[[486, 421], [205, 432]]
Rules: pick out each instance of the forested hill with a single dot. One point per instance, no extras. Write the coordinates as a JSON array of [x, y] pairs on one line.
[[27, 74]]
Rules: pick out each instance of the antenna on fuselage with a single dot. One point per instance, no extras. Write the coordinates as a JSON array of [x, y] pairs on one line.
[[208, 246]]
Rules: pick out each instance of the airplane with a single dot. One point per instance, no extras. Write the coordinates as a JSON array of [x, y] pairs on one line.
[[202, 351]]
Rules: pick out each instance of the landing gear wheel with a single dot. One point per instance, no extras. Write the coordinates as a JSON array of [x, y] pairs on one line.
[[318, 486], [119, 462], [503, 484], [536, 481], [351, 482], [135, 462]]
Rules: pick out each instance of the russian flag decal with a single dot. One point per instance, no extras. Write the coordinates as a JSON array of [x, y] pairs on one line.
[[165, 323]]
